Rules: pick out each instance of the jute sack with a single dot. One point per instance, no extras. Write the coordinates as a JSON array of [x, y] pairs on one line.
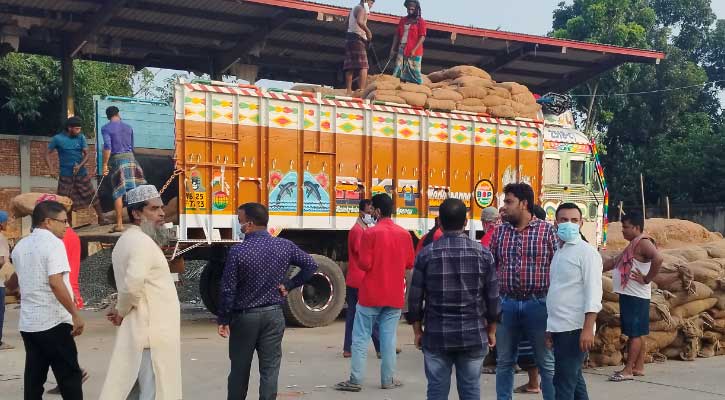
[[438, 76], [445, 105], [413, 98], [720, 296], [500, 92], [718, 326], [659, 340], [502, 111], [473, 92], [466, 70], [372, 95], [716, 314], [441, 84], [23, 205], [707, 276], [672, 353], [710, 264], [701, 291], [524, 98], [715, 249], [493, 101], [597, 360], [663, 326], [513, 87], [426, 80], [446, 94], [383, 78], [389, 99], [415, 88], [472, 101], [675, 278], [710, 345], [473, 81], [689, 253], [473, 109], [608, 290], [380, 85], [693, 308]]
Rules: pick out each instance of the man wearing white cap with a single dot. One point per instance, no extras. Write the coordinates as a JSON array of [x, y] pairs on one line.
[[146, 360]]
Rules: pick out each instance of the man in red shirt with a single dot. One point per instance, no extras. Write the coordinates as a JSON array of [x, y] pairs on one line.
[[434, 234], [489, 216], [355, 275], [72, 244], [386, 253]]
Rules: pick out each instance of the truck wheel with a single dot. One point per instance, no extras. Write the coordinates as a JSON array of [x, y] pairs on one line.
[[209, 285], [320, 301]]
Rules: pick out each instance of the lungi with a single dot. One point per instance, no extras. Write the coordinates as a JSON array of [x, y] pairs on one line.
[[356, 53], [408, 69], [126, 174], [78, 188]]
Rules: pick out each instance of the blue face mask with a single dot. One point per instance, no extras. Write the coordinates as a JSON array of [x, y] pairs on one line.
[[568, 232]]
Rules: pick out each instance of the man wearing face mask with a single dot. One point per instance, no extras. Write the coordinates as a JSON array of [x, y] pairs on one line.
[[575, 298], [523, 247], [146, 359], [355, 275]]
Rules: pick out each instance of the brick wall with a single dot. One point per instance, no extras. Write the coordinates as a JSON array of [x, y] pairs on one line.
[[9, 157]]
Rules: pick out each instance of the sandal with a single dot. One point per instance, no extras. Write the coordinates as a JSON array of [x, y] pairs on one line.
[[524, 389], [392, 385], [618, 377], [347, 386]]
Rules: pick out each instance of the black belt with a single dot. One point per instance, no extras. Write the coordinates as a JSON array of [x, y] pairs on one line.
[[524, 296], [259, 309]]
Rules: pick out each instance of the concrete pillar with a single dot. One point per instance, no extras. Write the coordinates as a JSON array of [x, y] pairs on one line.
[[248, 72], [67, 95], [25, 178]]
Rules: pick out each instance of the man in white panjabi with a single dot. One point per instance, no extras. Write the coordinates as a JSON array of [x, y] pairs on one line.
[[146, 360]]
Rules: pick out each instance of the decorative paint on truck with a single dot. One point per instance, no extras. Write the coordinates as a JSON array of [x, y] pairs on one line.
[[310, 160]]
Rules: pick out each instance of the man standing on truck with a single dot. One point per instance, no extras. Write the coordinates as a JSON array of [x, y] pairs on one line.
[[73, 179], [387, 252], [147, 352], [454, 295], [253, 288], [522, 247], [634, 270], [355, 275], [358, 38], [119, 161]]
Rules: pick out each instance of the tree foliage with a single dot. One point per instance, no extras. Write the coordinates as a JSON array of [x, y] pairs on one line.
[[30, 92], [672, 137]]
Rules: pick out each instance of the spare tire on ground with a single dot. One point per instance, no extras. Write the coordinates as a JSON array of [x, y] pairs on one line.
[[320, 301]]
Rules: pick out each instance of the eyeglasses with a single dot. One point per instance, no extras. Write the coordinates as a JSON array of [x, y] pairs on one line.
[[62, 221]]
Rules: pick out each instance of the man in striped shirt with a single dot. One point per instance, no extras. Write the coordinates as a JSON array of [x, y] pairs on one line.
[[522, 247]]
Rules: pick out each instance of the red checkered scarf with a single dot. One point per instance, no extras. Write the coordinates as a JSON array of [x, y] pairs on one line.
[[624, 266], [46, 197]]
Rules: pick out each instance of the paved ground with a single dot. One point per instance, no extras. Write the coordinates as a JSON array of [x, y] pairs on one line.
[[312, 363]]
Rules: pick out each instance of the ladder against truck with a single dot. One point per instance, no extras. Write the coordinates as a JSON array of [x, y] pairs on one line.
[[311, 159]]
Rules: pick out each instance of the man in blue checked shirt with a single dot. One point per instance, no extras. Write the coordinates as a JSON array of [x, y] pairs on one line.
[[456, 280], [253, 289]]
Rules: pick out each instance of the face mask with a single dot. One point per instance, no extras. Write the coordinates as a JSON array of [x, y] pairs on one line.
[[242, 228], [568, 232], [367, 7], [368, 219]]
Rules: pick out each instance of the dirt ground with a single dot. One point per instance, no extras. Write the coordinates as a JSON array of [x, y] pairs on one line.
[[312, 363]]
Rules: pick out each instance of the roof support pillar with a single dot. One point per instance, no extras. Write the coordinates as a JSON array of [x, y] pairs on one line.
[[247, 72], [68, 80]]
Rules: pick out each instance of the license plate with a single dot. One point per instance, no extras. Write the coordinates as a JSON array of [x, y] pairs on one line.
[[195, 200]]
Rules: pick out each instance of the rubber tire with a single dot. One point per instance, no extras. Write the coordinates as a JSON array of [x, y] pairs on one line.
[[111, 277], [298, 314], [209, 285]]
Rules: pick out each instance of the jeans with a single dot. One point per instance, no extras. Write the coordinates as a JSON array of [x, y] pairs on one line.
[[438, 366], [2, 312], [145, 387], [56, 349], [261, 331], [522, 319], [568, 378], [365, 318], [351, 298]]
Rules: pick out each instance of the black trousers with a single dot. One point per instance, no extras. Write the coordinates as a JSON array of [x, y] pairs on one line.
[[261, 331], [54, 348]]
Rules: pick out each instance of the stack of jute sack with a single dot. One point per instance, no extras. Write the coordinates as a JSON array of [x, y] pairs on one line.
[[687, 310], [461, 88]]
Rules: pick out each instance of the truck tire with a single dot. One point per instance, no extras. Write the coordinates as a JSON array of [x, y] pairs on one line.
[[209, 285], [320, 301]]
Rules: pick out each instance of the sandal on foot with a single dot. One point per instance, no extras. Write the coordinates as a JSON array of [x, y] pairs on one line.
[[618, 377], [392, 385], [347, 386], [524, 389]]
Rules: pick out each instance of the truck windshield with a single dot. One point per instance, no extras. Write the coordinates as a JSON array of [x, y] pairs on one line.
[[578, 172]]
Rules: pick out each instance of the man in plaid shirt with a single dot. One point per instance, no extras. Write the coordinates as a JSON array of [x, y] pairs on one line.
[[522, 248], [455, 278]]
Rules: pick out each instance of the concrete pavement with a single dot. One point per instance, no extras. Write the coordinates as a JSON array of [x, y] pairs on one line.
[[312, 363]]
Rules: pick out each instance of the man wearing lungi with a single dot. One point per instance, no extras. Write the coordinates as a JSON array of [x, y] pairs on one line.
[[357, 39], [119, 161], [73, 179]]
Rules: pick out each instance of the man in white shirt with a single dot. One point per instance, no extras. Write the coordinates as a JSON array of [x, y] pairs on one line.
[[575, 298], [48, 316]]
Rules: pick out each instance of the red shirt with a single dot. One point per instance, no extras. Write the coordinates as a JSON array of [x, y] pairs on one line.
[[436, 235], [72, 244], [415, 32], [386, 252], [486, 239], [354, 274]]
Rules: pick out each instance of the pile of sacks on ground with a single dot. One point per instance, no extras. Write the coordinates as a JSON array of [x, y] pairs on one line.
[[687, 311], [461, 88]]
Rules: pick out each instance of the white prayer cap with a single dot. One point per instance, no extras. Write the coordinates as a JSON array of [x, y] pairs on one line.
[[141, 193]]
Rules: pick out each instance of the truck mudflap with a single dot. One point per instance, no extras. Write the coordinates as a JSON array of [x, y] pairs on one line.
[[317, 303]]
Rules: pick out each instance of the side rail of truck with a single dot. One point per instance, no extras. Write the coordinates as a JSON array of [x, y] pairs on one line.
[[311, 159]]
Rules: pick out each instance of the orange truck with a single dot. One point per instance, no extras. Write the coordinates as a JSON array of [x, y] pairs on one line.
[[311, 159]]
